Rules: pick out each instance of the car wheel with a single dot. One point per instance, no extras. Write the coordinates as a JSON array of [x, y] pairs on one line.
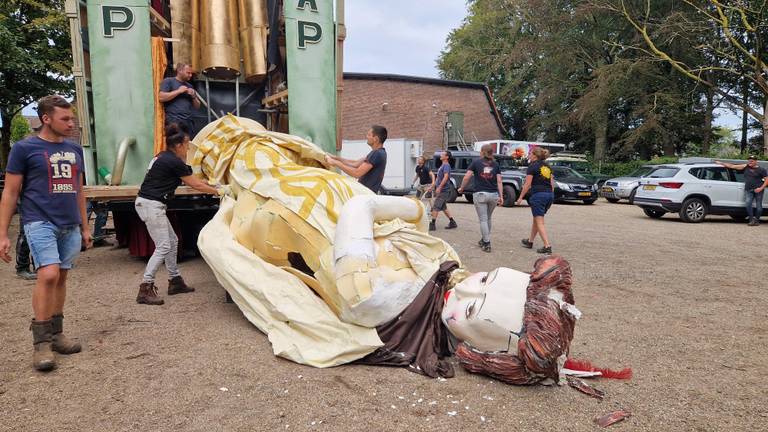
[[510, 195], [590, 201], [632, 196], [612, 200], [470, 199], [453, 194], [653, 213], [694, 210]]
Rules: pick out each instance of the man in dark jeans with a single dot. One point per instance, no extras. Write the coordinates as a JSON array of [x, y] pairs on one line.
[[23, 259], [755, 181]]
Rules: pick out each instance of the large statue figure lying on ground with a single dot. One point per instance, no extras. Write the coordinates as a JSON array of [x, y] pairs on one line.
[[333, 273]]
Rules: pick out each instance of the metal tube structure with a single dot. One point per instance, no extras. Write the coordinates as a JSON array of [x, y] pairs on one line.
[[122, 153]]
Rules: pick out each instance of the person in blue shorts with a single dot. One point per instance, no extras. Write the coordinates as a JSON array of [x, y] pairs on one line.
[[46, 171], [541, 184]]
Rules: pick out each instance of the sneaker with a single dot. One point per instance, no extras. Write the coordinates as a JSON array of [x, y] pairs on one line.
[[544, 250], [486, 247], [526, 243], [432, 226], [753, 222], [26, 275], [481, 243], [451, 225]]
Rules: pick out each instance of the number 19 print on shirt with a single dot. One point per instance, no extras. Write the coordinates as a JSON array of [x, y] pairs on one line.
[[62, 172]]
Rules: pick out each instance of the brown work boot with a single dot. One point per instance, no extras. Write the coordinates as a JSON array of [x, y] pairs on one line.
[[61, 344], [148, 294], [177, 286], [42, 358]]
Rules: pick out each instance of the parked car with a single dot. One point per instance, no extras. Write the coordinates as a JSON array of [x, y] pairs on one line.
[[693, 190], [624, 187], [572, 186], [512, 178], [579, 164]]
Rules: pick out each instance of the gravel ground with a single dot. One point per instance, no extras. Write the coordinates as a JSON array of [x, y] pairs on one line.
[[677, 302]]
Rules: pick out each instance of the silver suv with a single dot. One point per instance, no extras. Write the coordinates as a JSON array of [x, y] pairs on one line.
[[693, 190]]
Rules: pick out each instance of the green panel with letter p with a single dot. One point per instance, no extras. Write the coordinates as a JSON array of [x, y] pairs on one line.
[[123, 94]]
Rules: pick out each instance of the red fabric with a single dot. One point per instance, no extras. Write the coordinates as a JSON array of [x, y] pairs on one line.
[[585, 366], [130, 231]]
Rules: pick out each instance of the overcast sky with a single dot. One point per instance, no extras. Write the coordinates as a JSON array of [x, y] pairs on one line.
[[399, 36]]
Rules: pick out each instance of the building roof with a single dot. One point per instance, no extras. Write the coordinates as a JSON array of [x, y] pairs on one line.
[[431, 81]]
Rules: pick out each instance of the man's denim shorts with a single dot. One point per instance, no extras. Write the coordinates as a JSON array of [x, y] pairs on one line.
[[51, 244], [540, 202]]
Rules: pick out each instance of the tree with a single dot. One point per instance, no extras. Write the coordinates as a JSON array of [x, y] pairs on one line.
[[567, 70], [733, 46], [19, 128], [35, 58]]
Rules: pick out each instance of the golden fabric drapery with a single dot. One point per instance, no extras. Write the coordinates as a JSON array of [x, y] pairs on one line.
[[159, 64]]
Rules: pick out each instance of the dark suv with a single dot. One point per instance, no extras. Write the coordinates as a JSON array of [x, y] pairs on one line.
[[512, 178]]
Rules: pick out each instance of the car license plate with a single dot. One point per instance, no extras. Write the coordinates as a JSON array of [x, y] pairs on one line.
[[585, 193], [649, 187], [607, 189]]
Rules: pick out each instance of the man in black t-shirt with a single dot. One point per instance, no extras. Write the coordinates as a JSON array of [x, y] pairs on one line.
[[755, 181], [426, 179], [179, 97], [369, 170]]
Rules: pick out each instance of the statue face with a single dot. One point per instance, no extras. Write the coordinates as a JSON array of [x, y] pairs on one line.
[[486, 309]]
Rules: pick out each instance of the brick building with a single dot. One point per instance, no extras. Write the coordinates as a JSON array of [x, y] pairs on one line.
[[438, 112]]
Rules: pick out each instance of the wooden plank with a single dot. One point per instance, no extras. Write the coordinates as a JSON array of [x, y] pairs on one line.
[[276, 99], [121, 193]]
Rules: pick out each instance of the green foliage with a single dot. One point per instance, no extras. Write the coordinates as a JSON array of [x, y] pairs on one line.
[[19, 128], [35, 57]]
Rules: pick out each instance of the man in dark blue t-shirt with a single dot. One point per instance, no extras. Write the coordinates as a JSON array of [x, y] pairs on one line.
[[46, 171], [179, 97], [369, 170]]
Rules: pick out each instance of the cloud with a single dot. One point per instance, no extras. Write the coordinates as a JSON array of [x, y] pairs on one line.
[[399, 36]]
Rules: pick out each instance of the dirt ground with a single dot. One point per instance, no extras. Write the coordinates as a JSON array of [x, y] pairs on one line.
[[679, 303]]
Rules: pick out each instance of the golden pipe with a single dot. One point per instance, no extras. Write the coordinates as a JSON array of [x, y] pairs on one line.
[[194, 6], [253, 39], [220, 42], [181, 29]]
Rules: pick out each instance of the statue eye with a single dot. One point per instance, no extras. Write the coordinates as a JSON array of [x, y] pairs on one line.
[[470, 309], [485, 278]]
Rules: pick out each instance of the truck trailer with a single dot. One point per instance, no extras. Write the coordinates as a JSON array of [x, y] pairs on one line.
[[278, 62]]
